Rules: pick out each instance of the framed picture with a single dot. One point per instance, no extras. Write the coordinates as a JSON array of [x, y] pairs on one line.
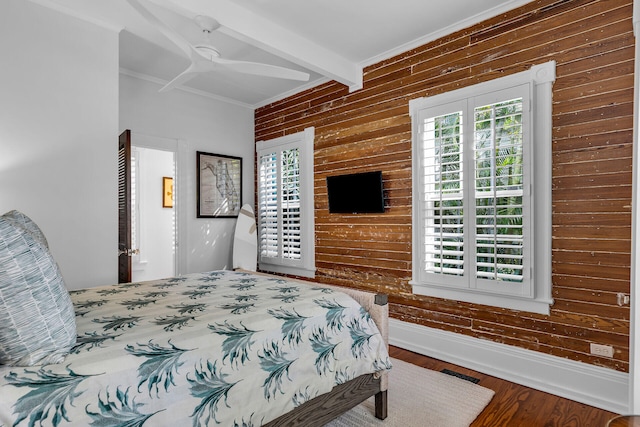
[[219, 185], [167, 192]]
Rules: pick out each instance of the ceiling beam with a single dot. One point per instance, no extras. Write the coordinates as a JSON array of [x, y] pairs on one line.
[[262, 33]]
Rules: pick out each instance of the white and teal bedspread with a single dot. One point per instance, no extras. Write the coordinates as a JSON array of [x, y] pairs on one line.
[[219, 348]]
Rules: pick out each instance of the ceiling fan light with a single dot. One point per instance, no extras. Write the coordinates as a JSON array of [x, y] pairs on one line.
[[207, 51]]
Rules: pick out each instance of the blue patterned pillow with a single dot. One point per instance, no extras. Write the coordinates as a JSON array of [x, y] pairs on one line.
[[21, 220], [37, 320]]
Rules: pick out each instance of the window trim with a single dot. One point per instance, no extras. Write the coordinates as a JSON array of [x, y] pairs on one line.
[[303, 140], [540, 79]]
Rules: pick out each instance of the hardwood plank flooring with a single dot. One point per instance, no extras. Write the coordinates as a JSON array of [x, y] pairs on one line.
[[514, 405]]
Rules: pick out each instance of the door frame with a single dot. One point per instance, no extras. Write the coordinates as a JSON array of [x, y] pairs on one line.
[[634, 332]]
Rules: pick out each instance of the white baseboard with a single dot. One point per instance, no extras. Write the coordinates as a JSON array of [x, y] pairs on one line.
[[592, 385]]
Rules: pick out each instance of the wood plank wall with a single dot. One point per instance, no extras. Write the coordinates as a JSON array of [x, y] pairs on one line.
[[370, 129]]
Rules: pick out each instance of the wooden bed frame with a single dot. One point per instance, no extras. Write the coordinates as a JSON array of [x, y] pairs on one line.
[[324, 408]]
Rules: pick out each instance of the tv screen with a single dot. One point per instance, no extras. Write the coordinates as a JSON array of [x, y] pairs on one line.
[[356, 193]]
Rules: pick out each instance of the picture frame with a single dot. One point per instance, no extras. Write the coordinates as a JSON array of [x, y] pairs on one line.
[[218, 186], [167, 192]]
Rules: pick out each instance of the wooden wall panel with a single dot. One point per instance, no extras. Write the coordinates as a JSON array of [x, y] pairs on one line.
[[370, 129]]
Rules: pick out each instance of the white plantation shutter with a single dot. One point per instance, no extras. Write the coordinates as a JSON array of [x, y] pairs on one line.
[[268, 204], [477, 228], [291, 222], [485, 207], [279, 205], [499, 181], [285, 204], [443, 194]]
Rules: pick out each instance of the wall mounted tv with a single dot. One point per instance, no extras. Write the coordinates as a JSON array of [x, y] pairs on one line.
[[356, 193]]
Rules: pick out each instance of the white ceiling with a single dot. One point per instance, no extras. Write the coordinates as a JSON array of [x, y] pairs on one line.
[[329, 39]]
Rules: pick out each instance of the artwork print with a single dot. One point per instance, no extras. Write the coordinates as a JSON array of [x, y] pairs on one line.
[[167, 192], [219, 186]]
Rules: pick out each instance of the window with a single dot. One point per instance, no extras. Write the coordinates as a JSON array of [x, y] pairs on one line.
[[285, 204], [482, 192]]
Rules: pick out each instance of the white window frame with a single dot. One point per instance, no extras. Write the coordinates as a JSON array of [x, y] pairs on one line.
[[534, 295], [305, 266]]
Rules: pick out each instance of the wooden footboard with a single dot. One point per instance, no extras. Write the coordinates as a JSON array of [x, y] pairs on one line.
[[326, 407]]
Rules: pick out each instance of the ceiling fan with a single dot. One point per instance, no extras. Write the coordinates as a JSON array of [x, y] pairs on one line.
[[205, 58]]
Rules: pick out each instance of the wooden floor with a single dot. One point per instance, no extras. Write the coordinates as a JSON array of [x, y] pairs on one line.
[[514, 405]]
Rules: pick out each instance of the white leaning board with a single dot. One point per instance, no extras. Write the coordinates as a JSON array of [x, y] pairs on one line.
[[245, 240]]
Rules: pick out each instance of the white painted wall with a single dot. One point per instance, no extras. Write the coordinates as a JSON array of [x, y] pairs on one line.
[[156, 223], [199, 124], [58, 132], [62, 108]]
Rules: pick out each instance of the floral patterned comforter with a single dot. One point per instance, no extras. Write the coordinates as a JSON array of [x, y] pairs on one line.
[[219, 348]]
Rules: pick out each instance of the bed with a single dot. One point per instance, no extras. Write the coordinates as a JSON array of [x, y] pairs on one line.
[[229, 348]]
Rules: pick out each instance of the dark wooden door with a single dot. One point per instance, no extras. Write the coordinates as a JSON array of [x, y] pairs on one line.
[[124, 207]]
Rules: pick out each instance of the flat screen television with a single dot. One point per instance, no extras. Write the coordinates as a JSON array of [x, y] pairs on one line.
[[356, 193]]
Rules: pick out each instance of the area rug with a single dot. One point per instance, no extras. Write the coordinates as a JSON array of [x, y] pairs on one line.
[[420, 397]]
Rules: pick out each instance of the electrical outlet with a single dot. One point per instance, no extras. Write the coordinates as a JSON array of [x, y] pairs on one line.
[[602, 350], [623, 299]]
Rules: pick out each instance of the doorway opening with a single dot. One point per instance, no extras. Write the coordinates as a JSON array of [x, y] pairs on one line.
[[153, 213]]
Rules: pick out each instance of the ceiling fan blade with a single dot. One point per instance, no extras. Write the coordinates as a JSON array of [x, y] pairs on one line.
[[204, 58], [182, 78], [260, 69], [167, 31]]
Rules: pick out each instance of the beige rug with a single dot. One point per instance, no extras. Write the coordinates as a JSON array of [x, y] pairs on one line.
[[420, 397]]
